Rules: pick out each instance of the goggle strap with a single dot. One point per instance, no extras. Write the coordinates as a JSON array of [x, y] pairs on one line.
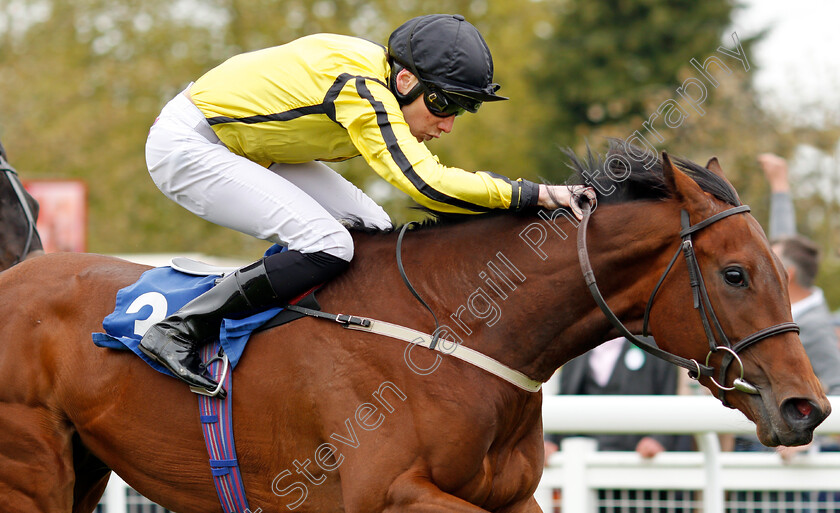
[[410, 96]]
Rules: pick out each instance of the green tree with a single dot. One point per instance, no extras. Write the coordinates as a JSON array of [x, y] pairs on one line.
[[605, 61], [81, 81]]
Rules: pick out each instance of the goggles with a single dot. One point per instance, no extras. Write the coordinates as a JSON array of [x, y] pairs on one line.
[[444, 106]]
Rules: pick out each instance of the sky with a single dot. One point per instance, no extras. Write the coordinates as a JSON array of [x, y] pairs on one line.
[[798, 63], [798, 74]]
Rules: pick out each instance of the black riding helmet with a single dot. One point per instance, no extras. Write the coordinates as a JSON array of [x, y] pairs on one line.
[[450, 60]]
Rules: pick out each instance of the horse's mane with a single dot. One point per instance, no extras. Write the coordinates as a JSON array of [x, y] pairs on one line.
[[645, 181]]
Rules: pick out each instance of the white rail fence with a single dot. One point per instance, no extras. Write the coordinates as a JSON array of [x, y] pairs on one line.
[[578, 470]]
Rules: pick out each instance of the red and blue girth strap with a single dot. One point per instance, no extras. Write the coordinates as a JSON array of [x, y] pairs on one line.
[[217, 425]]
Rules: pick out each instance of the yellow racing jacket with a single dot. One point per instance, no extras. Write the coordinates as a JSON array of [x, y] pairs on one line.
[[325, 97]]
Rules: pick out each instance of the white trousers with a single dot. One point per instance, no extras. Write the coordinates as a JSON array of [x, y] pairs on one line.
[[296, 205]]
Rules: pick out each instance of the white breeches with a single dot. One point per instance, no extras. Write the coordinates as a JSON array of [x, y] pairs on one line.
[[296, 205]]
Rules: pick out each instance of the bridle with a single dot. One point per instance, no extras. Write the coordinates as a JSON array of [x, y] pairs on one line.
[[32, 231], [718, 341]]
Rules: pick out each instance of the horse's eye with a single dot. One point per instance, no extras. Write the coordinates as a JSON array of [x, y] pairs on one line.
[[735, 276]]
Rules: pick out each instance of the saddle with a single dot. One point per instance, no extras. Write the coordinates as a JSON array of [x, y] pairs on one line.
[[163, 290], [194, 267]]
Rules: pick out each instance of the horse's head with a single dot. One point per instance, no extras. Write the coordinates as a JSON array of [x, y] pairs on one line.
[[18, 212], [741, 325]]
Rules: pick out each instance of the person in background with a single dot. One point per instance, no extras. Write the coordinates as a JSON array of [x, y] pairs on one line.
[[836, 320], [801, 259], [831, 443], [617, 367]]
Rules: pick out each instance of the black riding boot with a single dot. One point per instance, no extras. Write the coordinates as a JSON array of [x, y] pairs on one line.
[[174, 342], [272, 281]]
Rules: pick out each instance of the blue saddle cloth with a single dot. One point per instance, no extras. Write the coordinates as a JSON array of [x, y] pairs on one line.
[[159, 293]]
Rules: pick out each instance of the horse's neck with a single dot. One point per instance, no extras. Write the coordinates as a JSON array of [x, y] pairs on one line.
[[500, 290], [628, 246]]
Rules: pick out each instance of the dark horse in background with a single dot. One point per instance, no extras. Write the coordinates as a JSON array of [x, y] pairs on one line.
[[18, 212], [335, 420]]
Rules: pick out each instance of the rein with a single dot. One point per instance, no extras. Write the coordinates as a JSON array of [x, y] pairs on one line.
[[418, 338], [702, 304], [14, 181], [410, 286]]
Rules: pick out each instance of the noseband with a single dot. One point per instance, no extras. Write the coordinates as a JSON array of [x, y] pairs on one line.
[[14, 181], [718, 341]]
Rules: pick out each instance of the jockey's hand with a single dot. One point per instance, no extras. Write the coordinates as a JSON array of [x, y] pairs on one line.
[[555, 196]]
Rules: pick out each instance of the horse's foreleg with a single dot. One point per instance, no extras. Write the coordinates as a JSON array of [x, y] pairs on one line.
[[529, 506], [36, 461], [413, 493], [86, 497], [91, 478], [418, 495]]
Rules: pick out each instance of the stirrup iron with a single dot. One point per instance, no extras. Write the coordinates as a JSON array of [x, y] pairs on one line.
[[225, 368]]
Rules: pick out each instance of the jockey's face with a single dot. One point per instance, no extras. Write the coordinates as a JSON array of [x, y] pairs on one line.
[[423, 124]]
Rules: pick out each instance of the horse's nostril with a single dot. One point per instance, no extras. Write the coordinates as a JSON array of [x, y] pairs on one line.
[[804, 407], [801, 413]]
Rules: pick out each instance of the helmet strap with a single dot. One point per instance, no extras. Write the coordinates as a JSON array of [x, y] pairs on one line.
[[403, 99]]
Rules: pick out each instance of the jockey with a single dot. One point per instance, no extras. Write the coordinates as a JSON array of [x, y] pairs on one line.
[[242, 147]]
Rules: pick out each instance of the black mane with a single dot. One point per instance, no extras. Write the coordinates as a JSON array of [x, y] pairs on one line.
[[645, 180]]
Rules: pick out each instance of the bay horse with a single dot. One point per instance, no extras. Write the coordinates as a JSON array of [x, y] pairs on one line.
[[19, 237], [329, 419]]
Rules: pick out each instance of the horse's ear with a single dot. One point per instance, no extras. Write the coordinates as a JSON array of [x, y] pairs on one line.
[[668, 172], [683, 187], [714, 166]]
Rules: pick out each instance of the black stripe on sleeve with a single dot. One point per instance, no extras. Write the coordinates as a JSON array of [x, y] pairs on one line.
[[326, 107], [402, 161], [278, 116], [332, 94], [515, 195]]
